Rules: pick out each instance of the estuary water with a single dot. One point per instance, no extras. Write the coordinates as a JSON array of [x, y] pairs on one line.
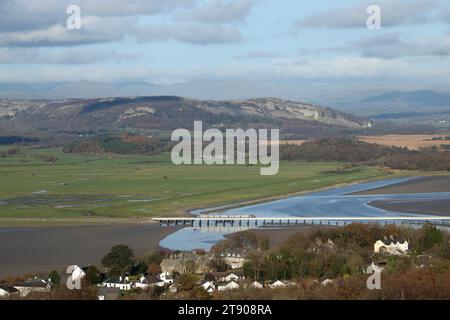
[[334, 202]]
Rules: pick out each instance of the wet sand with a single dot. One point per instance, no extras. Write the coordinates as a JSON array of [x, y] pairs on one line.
[[33, 250], [420, 185], [432, 207]]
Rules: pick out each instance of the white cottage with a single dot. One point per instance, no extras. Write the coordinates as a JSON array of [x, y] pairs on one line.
[[7, 291], [256, 285], [391, 246], [32, 285], [277, 284], [232, 285], [122, 283]]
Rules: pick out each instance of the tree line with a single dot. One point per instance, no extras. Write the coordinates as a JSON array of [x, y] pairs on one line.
[[358, 152]]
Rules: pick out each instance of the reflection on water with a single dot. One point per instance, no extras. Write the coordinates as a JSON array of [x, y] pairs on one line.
[[335, 202]]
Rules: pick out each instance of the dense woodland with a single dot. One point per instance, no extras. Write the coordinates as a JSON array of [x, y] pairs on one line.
[[124, 145]]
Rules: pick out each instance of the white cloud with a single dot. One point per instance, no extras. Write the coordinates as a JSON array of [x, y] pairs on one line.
[[31, 55], [393, 13], [223, 11], [42, 23], [342, 68], [391, 46], [94, 30], [189, 33]]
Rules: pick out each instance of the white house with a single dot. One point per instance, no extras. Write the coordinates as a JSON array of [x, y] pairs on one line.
[[7, 291], [166, 278], [391, 246], [229, 276], [234, 260], [175, 287], [256, 285], [277, 284], [326, 282], [122, 283], [209, 286], [149, 282], [232, 285], [32, 285]]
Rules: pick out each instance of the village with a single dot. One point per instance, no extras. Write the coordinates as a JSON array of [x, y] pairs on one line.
[[198, 274]]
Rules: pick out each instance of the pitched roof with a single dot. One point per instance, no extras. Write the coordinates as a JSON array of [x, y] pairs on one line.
[[227, 273], [9, 289], [32, 283], [152, 279], [116, 279]]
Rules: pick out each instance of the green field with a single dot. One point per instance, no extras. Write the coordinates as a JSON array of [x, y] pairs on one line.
[[128, 186]]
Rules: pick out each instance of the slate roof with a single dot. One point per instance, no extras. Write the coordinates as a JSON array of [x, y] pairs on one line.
[[9, 289], [116, 279], [32, 283]]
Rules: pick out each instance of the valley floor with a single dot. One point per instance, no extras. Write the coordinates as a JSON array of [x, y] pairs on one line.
[[91, 187]]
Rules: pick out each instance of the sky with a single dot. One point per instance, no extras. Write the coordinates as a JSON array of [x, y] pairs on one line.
[[322, 44]]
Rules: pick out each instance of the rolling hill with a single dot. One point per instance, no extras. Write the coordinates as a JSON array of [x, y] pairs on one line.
[[144, 115]]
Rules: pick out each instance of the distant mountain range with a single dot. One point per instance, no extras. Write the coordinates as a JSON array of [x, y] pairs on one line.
[[74, 117], [414, 98], [416, 108]]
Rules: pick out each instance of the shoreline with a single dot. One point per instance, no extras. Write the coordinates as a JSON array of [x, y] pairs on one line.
[[241, 204], [46, 222], [49, 222], [69, 222], [426, 184], [428, 208], [33, 251]]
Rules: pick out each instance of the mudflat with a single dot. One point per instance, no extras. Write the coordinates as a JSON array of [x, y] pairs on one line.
[[431, 184], [432, 207], [419, 185], [33, 250]]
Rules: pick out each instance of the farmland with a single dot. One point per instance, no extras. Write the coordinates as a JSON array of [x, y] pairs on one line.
[[412, 142], [47, 183]]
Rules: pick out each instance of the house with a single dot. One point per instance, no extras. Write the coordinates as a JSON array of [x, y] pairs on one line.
[[32, 285], [256, 285], [166, 278], [184, 262], [326, 282], [228, 276], [6, 291], [367, 124], [277, 284], [391, 246], [122, 283], [149, 282], [108, 293], [209, 286], [234, 261], [232, 285], [175, 287]]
